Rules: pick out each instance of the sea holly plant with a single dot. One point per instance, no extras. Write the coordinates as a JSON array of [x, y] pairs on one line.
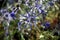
[[25, 14]]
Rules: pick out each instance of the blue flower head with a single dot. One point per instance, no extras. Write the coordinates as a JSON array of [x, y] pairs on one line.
[[42, 11], [27, 20], [47, 24], [51, 3], [12, 14], [19, 23], [6, 15]]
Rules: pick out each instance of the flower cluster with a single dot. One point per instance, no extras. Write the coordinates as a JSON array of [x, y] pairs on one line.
[[37, 7], [28, 13]]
